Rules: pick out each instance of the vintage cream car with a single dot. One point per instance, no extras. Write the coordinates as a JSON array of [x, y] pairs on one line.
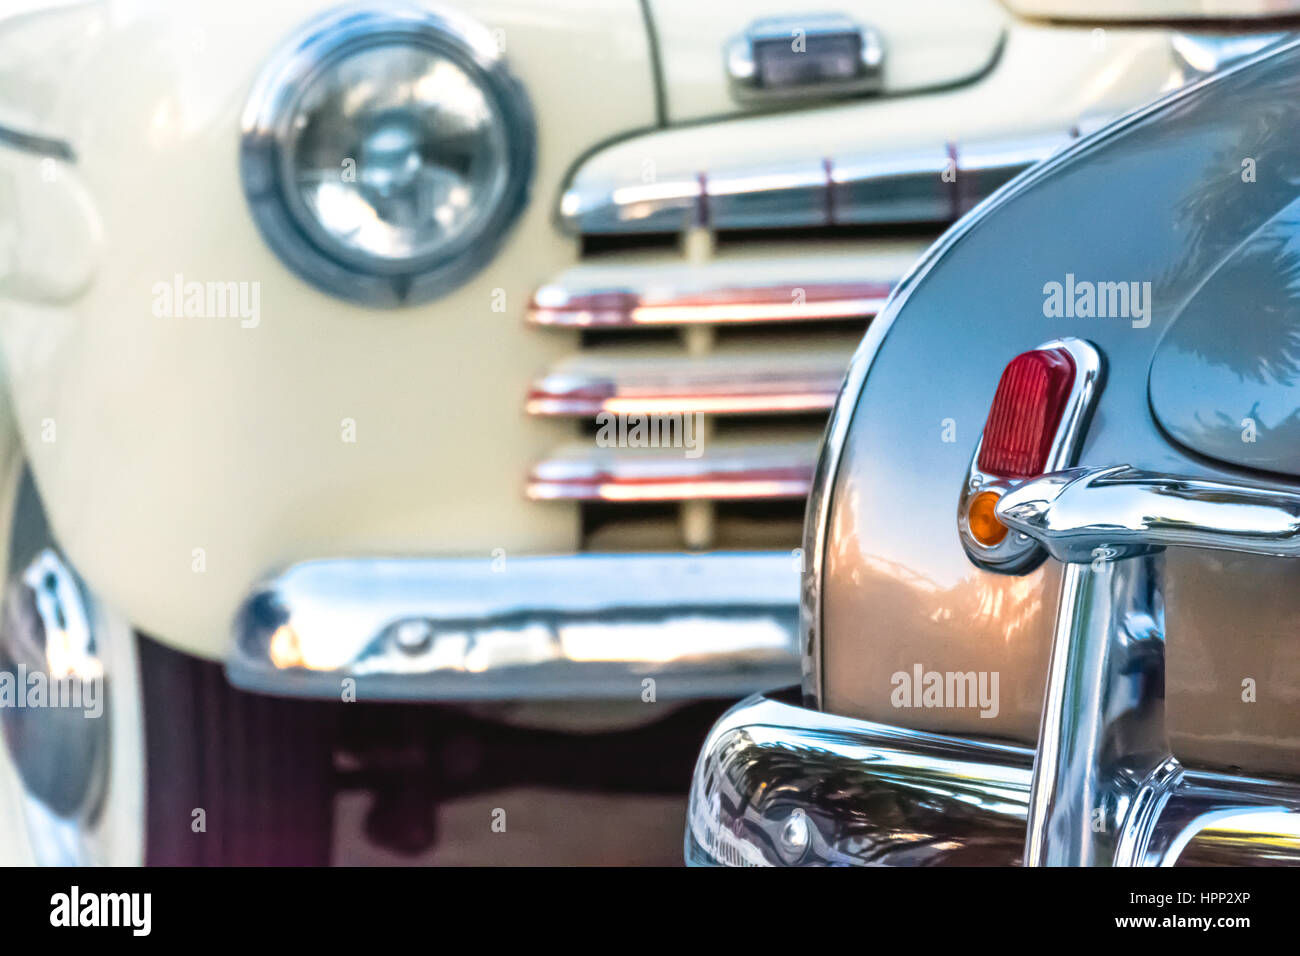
[[309, 315]]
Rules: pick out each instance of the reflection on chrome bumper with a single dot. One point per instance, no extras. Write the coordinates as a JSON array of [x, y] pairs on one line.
[[779, 785], [580, 626]]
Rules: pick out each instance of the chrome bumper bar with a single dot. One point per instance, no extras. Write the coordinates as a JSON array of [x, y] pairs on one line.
[[780, 785], [617, 626]]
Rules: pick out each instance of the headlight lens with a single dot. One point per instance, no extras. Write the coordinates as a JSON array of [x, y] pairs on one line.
[[385, 154], [425, 147]]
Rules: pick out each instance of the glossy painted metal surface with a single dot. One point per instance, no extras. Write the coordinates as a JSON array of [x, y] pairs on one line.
[[780, 785], [930, 44], [894, 586], [503, 627], [1233, 396], [752, 471]]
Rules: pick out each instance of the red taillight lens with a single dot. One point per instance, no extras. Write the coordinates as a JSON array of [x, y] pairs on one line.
[[1025, 414]]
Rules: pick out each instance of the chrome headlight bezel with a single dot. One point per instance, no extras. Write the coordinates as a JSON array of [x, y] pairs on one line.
[[266, 145]]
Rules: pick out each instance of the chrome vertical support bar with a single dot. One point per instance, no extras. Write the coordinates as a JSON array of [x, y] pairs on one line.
[[1106, 790], [1102, 739]]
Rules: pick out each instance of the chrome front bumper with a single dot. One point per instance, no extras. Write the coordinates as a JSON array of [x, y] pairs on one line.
[[780, 785], [611, 627]]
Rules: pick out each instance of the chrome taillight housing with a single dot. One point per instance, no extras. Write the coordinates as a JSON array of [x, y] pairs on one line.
[[1035, 424]]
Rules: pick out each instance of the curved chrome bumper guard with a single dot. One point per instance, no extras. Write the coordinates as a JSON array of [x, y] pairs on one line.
[[591, 626], [1104, 768], [780, 785]]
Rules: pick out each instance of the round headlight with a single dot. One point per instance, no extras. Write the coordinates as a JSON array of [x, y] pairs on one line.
[[386, 152]]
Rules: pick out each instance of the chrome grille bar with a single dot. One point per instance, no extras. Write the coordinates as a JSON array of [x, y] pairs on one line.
[[716, 384], [741, 472], [935, 184], [625, 308], [793, 284]]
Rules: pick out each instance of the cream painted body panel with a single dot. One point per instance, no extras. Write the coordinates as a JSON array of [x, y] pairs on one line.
[[171, 435], [1047, 81], [928, 43], [1119, 10]]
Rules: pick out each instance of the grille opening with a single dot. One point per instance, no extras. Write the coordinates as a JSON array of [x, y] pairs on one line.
[[764, 383], [594, 245], [757, 238], [618, 338], [759, 524], [611, 527], [795, 333], [767, 427], [756, 525]]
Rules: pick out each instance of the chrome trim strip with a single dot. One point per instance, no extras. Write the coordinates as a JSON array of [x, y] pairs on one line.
[[749, 472], [820, 499], [505, 627], [628, 308], [787, 196], [896, 187], [935, 184], [782, 785], [718, 385]]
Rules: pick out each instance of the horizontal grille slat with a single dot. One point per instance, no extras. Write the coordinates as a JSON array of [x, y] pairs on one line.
[[744, 343], [720, 472], [717, 384]]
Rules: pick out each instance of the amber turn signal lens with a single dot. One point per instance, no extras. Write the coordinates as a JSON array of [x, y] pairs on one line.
[[983, 523]]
